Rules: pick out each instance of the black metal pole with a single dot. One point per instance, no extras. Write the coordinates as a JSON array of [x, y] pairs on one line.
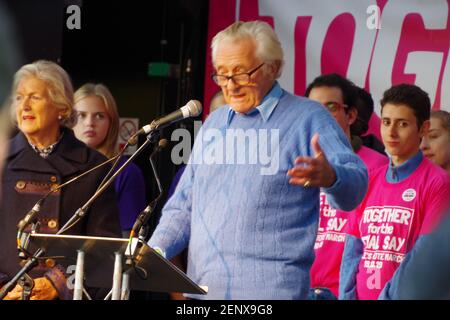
[[31, 263]]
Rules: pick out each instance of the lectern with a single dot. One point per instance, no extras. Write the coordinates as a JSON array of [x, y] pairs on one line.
[[100, 262]]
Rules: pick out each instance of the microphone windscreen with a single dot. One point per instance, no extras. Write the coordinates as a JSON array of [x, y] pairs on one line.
[[195, 108]]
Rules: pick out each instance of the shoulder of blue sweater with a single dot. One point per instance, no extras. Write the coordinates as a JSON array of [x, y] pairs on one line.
[[302, 104], [297, 106]]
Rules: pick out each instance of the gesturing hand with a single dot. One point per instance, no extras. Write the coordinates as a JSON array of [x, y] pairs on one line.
[[313, 171]]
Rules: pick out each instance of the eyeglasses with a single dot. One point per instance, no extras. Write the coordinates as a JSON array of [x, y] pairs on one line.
[[240, 79], [334, 106]]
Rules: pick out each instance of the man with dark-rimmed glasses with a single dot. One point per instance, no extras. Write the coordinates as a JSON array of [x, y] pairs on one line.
[[241, 79]]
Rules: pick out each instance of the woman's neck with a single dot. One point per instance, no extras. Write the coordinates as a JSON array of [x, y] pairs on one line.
[[43, 140]]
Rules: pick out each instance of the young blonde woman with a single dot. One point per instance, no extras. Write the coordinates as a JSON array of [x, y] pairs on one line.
[[97, 125]]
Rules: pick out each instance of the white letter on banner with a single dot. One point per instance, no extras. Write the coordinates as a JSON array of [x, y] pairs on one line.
[[434, 15], [286, 12], [373, 21], [74, 21], [181, 151], [423, 64]]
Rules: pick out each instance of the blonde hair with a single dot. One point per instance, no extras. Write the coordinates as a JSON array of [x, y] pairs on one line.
[[108, 146], [444, 116], [268, 46], [59, 87]]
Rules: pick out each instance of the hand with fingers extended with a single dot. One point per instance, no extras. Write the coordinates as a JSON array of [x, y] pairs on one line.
[[42, 290], [313, 171]]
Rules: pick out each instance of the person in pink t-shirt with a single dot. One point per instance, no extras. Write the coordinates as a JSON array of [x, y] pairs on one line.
[[404, 202], [338, 95]]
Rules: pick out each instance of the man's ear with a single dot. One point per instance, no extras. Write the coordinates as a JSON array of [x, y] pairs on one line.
[[352, 115], [273, 68], [424, 128]]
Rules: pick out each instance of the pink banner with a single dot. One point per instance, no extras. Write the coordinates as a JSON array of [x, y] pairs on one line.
[[376, 44]]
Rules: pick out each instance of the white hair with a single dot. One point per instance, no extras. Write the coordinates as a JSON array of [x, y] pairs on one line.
[[268, 47], [59, 86]]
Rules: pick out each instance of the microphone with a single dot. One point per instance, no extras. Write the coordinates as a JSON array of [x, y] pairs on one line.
[[80, 212], [30, 216], [192, 109]]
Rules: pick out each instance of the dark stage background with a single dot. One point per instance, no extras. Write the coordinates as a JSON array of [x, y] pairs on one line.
[[116, 43]]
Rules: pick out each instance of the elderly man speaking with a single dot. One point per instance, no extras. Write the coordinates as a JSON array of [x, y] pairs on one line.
[[248, 211]]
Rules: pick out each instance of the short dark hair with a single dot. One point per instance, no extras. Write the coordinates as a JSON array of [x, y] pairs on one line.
[[365, 105], [411, 96], [335, 80]]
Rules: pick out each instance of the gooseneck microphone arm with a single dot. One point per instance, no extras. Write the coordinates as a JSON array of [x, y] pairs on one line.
[[36, 208], [161, 145], [193, 108], [33, 261], [80, 213], [143, 217]]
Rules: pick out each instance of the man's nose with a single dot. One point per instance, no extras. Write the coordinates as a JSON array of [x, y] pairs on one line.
[[231, 85], [392, 130]]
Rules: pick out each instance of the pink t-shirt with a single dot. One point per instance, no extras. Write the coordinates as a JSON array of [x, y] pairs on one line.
[[391, 218], [330, 239]]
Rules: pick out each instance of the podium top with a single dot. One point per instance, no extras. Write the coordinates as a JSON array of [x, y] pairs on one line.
[[161, 274]]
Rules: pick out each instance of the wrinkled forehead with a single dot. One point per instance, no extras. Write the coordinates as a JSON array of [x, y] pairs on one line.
[[31, 84], [235, 54]]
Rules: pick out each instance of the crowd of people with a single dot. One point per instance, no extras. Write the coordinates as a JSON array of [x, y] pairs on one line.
[[340, 215]]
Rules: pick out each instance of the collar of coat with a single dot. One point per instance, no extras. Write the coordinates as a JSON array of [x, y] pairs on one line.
[[64, 161]]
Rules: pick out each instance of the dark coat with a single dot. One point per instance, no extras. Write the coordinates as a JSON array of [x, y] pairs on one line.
[[27, 177]]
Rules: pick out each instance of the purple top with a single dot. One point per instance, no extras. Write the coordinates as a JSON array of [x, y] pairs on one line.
[[130, 191], [175, 181]]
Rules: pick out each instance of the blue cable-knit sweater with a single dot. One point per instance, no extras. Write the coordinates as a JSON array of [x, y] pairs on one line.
[[251, 235]]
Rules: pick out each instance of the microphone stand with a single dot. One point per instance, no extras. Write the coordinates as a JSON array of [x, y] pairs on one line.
[[22, 276], [139, 227], [132, 141], [31, 263], [81, 212], [140, 224], [24, 223]]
